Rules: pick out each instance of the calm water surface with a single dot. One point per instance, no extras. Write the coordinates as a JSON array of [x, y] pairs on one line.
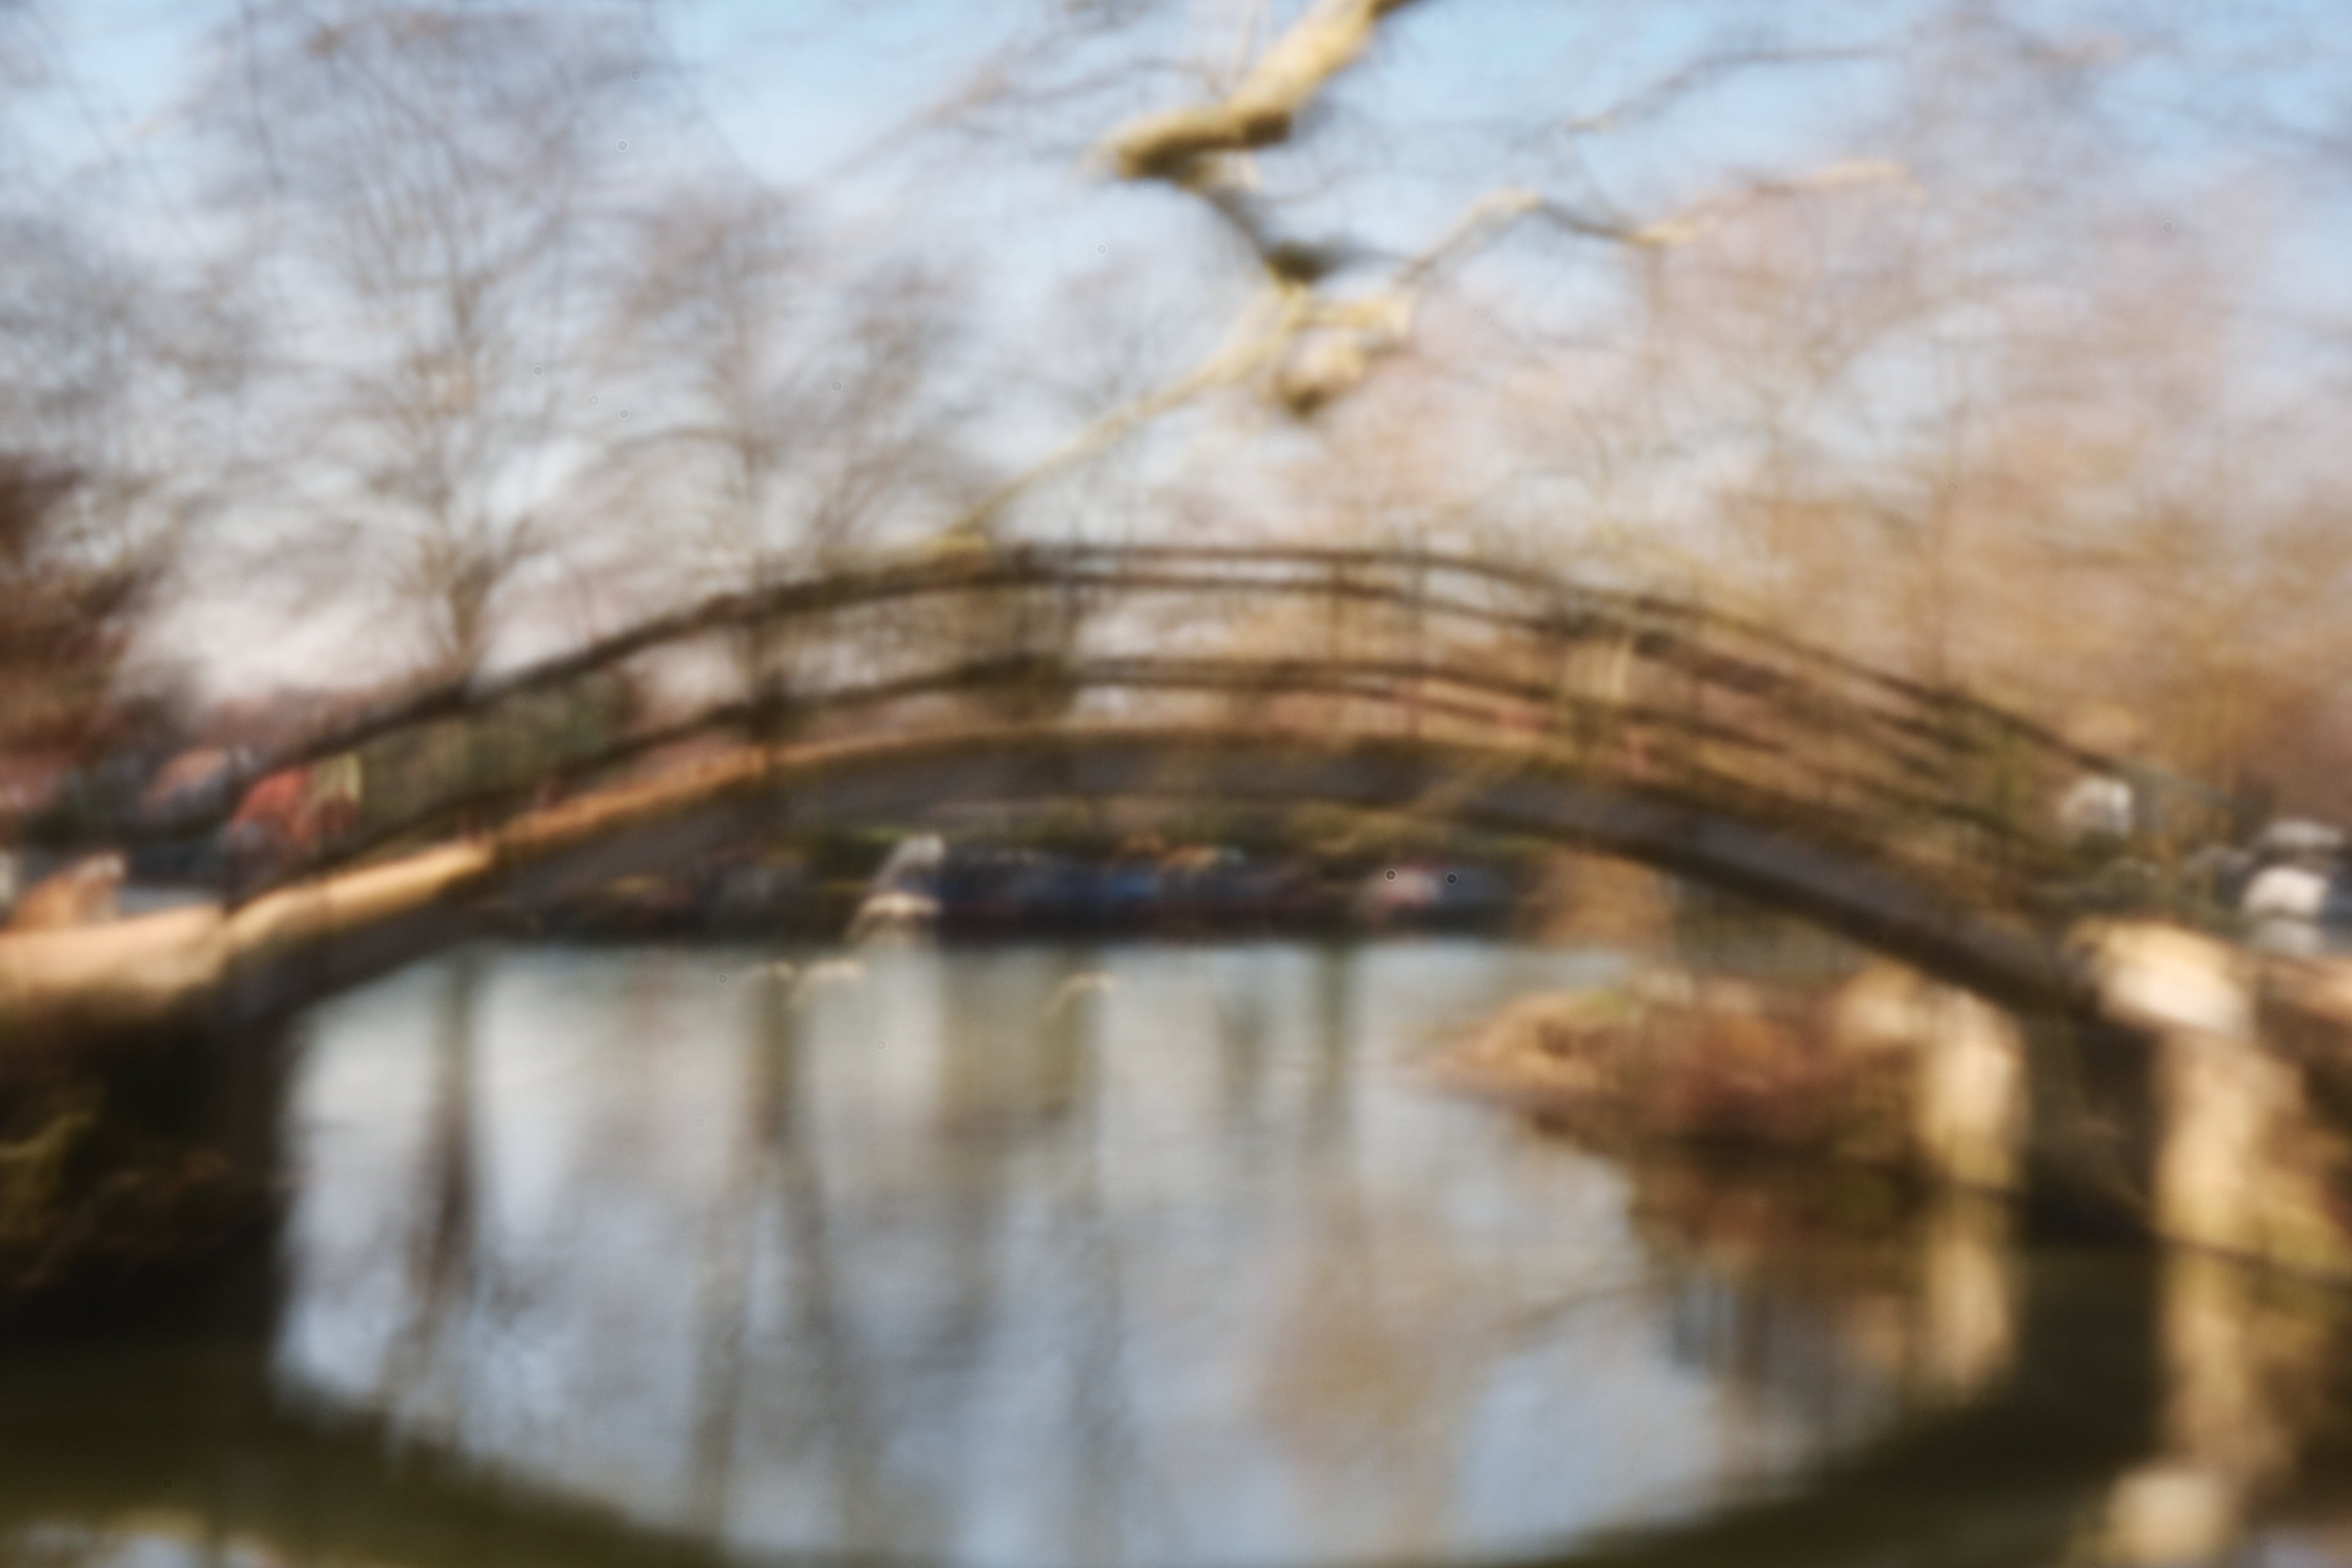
[[1058, 1255]]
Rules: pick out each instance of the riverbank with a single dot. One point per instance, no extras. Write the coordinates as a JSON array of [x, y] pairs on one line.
[[2208, 1107], [109, 1215], [1677, 1059]]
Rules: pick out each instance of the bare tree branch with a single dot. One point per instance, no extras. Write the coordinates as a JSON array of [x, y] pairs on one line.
[[1331, 37]]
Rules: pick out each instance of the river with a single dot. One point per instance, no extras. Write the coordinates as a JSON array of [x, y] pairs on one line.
[[1033, 1255]]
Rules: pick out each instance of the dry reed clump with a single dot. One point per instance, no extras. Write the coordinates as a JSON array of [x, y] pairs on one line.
[[1707, 1064]]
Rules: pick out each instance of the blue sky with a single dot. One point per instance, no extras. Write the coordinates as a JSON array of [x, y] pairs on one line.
[[794, 85]]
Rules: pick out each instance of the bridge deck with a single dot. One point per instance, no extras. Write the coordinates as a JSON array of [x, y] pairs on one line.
[[298, 942]]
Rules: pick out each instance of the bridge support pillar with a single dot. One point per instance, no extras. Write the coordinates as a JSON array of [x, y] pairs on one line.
[[2242, 1163], [1966, 1061], [1970, 1116]]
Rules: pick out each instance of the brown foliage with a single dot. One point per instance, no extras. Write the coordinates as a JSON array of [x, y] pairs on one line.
[[70, 614], [1617, 1071]]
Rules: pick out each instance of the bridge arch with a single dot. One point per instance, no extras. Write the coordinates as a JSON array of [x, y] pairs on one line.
[[1913, 820], [902, 781]]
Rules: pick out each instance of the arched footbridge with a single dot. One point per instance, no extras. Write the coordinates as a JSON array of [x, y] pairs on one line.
[[1916, 820], [1920, 822]]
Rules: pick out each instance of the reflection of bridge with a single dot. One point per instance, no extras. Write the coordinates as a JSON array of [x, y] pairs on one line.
[[1919, 822], [221, 1458]]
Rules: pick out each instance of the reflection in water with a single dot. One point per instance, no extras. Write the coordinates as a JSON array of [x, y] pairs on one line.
[[1967, 1298], [1024, 1255], [1051, 1255], [2253, 1375]]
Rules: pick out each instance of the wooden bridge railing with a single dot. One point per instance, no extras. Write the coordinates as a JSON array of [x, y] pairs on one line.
[[1660, 696]]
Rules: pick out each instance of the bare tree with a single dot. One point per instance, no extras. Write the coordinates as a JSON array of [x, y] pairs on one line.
[[117, 380], [71, 611], [793, 410], [1997, 418], [794, 413], [427, 181], [1252, 139]]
